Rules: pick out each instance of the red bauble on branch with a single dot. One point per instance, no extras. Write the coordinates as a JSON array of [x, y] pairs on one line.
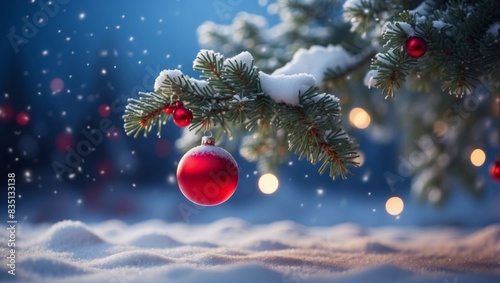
[[207, 174], [416, 46], [495, 170], [182, 116], [169, 109]]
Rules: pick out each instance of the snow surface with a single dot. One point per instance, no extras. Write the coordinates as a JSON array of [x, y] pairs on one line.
[[232, 250], [286, 88], [316, 60]]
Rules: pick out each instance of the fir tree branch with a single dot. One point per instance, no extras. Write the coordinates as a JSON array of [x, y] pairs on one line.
[[230, 93]]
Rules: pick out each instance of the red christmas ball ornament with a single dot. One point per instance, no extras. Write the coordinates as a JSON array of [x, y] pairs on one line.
[[207, 174], [416, 46], [495, 170], [182, 116]]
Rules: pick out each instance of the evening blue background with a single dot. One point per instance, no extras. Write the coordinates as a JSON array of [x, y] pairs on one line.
[[136, 184]]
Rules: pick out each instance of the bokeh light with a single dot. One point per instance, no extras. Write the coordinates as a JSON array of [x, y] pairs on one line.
[[6, 113], [104, 110], [268, 183], [105, 168], [360, 159], [64, 141], [394, 206], [477, 157], [359, 118], [22, 118], [163, 148], [56, 85]]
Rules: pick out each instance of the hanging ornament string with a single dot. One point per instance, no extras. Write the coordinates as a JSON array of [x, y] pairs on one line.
[[207, 174]]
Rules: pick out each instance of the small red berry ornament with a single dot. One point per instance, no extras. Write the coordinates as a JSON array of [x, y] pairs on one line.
[[169, 109], [495, 170], [207, 174], [416, 46], [182, 116]]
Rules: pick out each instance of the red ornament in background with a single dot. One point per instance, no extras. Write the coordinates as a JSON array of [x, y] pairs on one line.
[[104, 110], [64, 141], [22, 118], [495, 170], [7, 112], [416, 46], [207, 174], [182, 116]]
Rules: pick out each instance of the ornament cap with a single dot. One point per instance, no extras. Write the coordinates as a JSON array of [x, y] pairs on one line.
[[208, 140]]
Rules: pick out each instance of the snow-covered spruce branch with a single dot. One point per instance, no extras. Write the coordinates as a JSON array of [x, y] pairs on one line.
[[462, 39], [234, 92]]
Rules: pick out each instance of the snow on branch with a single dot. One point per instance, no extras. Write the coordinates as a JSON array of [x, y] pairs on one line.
[[317, 60]]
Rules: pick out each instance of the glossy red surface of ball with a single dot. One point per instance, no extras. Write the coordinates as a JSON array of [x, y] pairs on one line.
[[182, 117], [207, 175], [416, 46], [495, 171]]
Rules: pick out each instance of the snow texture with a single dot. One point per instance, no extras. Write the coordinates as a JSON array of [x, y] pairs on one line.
[[407, 28], [439, 24], [286, 88], [421, 9], [494, 28], [200, 83], [206, 53], [244, 57], [214, 150], [163, 76], [232, 250], [316, 60]]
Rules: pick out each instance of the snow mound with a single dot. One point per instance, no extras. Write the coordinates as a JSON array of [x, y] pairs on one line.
[[378, 248], [132, 258], [68, 234], [265, 245], [51, 267], [487, 236], [155, 240]]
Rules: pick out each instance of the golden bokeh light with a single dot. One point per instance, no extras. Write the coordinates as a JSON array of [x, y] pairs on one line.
[[359, 118], [477, 157], [268, 183], [394, 206]]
